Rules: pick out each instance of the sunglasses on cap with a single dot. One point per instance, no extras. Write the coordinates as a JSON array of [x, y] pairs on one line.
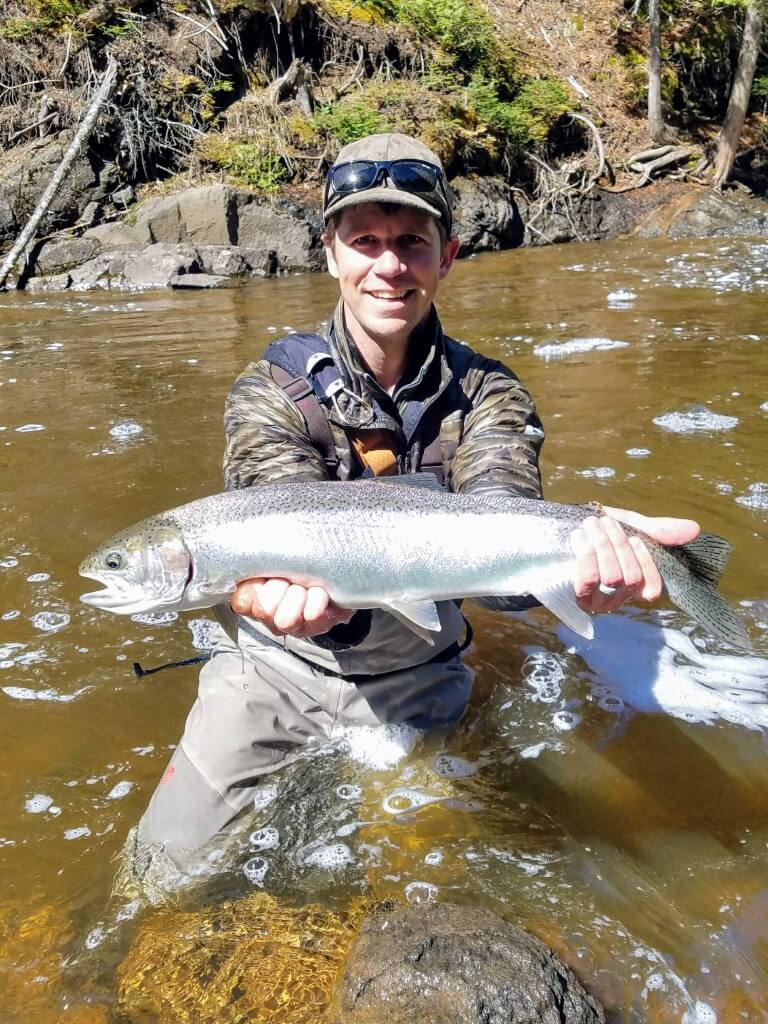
[[415, 176]]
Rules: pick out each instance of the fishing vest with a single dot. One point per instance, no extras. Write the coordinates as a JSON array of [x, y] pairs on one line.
[[303, 367]]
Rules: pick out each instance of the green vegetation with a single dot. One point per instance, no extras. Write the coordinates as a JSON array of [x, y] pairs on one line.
[[247, 163], [41, 16]]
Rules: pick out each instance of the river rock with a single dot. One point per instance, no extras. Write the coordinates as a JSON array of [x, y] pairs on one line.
[[226, 261], [63, 253], [289, 231], [113, 237], [199, 281], [158, 265], [27, 170], [8, 226], [704, 213], [486, 215], [446, 964], [201, 215], [52, 283]]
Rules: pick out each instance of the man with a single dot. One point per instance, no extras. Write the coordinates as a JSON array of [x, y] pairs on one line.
[[385, 392]]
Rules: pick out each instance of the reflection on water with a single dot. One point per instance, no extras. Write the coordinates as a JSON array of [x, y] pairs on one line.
[[611, 796]]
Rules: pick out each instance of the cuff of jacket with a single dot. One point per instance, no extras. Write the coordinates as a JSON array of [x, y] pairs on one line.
[[346, 635]]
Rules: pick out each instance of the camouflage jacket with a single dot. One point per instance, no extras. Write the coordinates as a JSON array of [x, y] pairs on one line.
[[490, 439]]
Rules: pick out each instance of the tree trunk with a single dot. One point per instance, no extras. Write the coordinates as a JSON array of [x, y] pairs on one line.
[[728, 138], [82, 135], [656, 127]]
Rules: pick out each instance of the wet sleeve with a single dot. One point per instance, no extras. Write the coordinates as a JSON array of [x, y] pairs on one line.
[[266, 435], [267, 442], [498, 452]]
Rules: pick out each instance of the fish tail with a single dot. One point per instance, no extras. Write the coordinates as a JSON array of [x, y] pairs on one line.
[[690, 573]]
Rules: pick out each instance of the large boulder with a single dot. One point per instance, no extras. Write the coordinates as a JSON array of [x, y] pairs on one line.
[[444, 964], [279, 234], [703, 213], [26, 171], [486, 215], [62, 253], [204, 216]]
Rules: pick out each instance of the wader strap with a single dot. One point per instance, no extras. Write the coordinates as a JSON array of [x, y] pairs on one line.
[[300, 391]]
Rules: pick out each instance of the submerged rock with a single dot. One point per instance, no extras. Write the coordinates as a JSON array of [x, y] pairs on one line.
[[445, 964]]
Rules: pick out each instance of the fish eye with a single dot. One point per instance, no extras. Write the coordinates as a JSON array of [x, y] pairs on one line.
[[113, 560]]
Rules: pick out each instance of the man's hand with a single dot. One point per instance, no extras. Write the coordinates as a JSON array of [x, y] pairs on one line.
[[607, 557], [288, 608]]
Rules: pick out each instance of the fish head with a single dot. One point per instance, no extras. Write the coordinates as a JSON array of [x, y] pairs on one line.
[[145, 568]]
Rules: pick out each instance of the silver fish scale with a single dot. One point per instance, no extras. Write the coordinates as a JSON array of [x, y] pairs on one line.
[[318, 497]]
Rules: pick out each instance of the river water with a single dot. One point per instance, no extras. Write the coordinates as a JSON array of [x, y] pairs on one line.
[[611, 796]]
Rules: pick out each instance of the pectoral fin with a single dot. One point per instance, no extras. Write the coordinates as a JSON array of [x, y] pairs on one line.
[[560, 598], [419, 616]]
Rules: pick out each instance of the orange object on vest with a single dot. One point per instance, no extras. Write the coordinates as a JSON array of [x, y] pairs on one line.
[[376, 451]]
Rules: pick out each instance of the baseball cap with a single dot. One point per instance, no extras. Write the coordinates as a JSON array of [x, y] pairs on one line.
[[432, 197]]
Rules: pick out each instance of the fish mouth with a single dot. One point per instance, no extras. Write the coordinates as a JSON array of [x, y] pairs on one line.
[[116, 596]]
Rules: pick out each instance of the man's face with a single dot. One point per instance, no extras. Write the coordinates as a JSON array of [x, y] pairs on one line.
[[388, 266]]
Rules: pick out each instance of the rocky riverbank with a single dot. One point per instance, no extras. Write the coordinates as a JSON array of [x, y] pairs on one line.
[[212, 236]]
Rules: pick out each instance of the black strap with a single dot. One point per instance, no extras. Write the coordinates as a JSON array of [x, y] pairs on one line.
[[301, 392]]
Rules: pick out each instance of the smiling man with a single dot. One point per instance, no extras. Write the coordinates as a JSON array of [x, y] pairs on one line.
[[384, 392]]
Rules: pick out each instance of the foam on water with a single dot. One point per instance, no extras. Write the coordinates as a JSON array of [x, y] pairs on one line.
[[764, 407], [577, 346], [25, 693], [381, 746], [599, 472], [38, 804], [349, 791], [451, 767], [38, 577], [9, 562], [333, 857], [126, 430], [265, 839], [155, 618], [30, 428], [421, 892], [638, 453], [755, 497], [77, 833], [658, 669], [545, 674], [699, 1013], [255, 870], [406, 799], [265, 795], [49, 622], [696, 420], [622, 298], [206, 633], [119, 790]]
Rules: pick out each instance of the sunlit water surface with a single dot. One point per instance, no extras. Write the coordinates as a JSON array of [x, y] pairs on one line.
[[611, 796]]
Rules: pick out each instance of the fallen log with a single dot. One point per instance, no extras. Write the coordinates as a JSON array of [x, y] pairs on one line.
[[81, 136]]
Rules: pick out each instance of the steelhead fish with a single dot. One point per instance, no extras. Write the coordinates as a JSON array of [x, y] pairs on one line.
[[399, 544]]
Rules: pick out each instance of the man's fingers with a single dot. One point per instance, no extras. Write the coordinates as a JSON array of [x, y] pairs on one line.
[[289, 613], [652, 582], [664, 529], [244, 597], [269, 596], [587, 571], [608, 563], [316, 604]]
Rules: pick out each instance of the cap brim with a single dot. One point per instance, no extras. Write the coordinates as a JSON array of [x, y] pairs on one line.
[[382, 194]]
